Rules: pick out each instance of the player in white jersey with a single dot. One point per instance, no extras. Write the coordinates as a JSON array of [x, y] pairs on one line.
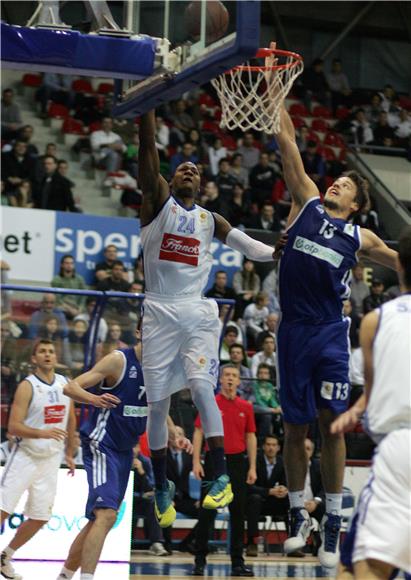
[[41, 419], [379, 539], [180, 327]]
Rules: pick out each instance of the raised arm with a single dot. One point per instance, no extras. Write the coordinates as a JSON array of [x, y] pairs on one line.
[[154, 187], [300, 186]]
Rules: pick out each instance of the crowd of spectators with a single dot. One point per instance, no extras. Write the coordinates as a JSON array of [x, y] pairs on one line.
[[241, 172]]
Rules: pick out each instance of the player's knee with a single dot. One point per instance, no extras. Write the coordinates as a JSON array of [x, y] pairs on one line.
[[295, 433], [107, 517]]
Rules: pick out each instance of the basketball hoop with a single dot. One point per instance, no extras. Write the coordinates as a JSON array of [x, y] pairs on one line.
[[252, 95]]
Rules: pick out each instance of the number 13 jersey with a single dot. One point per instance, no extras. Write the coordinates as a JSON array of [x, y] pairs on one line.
[[315, 268], [176, 249]]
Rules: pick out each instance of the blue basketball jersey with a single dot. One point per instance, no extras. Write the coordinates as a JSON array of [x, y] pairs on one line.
[[315, 268], [119, 428]]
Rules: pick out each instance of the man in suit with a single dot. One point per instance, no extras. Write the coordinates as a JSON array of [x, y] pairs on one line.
[[269, 494], [266, 219], [54, 190], [179, 466]]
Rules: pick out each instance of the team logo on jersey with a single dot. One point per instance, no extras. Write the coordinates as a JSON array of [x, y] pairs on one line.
[[175, 248], [132, 373], [134, 411], [174, 208], [54, 414], [203, 216], [202, 361]]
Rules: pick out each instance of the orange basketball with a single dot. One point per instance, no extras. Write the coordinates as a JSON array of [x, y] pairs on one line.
[[217, 20]]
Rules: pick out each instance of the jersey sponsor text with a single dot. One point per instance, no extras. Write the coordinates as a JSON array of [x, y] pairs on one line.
[[175, 248]]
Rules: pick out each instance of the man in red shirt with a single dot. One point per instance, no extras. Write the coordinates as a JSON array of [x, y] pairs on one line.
[[239, 440]]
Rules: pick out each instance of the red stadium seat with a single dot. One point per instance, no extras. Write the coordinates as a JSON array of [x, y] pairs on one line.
[[105, 88], [31, 80], [278, 191], [342, 113], [210, 126], [334, 139], [73, 126], [319, 125], [82, 86], [95, 126], [298, 122], [343, 154], [405, 103], [323, 112], [312, 136], [299, 109], [207, 100], [327, 153], [229, 142], [57, 111]]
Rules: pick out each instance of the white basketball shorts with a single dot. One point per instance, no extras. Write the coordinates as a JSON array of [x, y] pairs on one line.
[[180, 342], [384, 511], [36, 475]]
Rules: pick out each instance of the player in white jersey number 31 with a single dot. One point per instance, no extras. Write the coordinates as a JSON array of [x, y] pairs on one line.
[[180, 328]]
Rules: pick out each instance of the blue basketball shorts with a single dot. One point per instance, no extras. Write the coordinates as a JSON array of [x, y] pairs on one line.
[[313, 366], [108, 472]]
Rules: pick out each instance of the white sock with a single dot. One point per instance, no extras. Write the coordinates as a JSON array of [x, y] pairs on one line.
[[333, 503], [66, 573], [9, 552], [296, 499], [84, 576]]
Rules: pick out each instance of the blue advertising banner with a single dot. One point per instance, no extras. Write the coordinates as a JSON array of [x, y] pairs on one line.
[[85, 237]]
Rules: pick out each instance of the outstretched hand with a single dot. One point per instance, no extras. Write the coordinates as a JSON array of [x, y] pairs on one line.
[[184, 444], [279, 246], [346, 422], [106, 401]]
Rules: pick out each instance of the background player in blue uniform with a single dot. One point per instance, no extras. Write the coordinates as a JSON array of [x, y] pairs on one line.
[[108, 437], [312, 344]]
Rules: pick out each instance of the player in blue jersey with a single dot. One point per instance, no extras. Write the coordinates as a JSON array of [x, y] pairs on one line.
[[115, 422], [312, 342]]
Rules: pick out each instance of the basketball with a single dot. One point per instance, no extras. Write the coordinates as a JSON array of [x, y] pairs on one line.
[[217, 20]]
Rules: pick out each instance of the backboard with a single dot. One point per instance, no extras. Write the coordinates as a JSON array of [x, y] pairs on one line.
[[147, 48]]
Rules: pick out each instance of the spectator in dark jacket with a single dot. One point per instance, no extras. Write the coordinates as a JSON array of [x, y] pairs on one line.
[[383, 133], [376, 297], [262, 180], [315, 84], [54, 190], [225, 181], [266, 219], [16, 166], [269, 494], [187, 154], [212, 200], [10, 116]]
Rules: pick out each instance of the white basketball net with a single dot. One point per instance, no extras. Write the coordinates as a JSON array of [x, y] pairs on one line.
[[252, 99]]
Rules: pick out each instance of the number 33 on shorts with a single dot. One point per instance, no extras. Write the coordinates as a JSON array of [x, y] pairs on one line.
[[332, 391]]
